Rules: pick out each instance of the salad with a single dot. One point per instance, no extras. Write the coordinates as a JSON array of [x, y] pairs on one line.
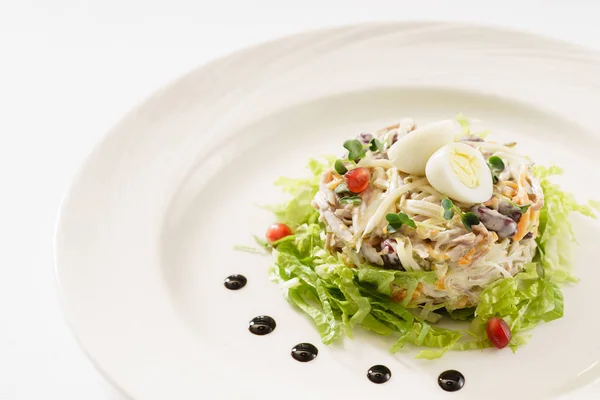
[[413, 226]]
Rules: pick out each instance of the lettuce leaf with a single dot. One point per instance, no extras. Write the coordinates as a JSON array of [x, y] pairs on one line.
[[522, 301], [298, 209], [384, 279], [533, 295], [338, 297], [556, 237]]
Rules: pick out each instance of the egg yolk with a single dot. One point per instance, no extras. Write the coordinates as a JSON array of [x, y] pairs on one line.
[[465, 168]]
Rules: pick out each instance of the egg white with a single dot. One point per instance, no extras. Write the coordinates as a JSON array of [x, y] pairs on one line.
[[444, 175], [411, 152]]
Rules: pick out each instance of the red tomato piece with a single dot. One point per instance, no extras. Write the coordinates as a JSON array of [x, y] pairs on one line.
[[278, 231], [357, 179], [498, 332]]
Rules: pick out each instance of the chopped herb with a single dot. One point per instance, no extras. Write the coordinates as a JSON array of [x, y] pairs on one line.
[[341, 188], [351, 200], [496, 164], [469, 219], [405, 219], [395, 221], [524, 208], [448, 206], [340, 168], [355, 149], [391, 218], [375, 145]]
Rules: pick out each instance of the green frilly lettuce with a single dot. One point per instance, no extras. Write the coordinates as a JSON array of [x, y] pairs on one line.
[[339, 298]]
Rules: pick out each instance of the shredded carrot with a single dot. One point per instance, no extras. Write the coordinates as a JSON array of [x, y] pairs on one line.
[[334, 183], [522, 226], [438, 255], [434, 253], [417, 292], [509, 192], [466, 259], [440, 284], [521, 196], [398, 294], [511, 184]]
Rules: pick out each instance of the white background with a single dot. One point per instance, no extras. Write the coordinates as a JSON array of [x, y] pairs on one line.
[[69, 69]]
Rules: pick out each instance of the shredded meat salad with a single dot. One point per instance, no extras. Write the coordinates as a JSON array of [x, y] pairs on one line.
[[437, 235], [413, 225]]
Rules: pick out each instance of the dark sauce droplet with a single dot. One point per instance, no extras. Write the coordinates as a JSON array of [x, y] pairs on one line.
[[379, 374], [262, 325], [451, 380], [235, 282], [304, 352]]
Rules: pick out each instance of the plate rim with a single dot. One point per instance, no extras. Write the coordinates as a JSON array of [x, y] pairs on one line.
[[98, 147]]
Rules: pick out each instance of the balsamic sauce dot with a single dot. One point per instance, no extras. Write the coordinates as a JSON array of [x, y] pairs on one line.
[[262, 325], [451, 380], [379, 374], [235, 282], [304, 352]]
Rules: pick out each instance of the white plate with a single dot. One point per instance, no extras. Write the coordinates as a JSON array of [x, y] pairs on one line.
[[145, 234]]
